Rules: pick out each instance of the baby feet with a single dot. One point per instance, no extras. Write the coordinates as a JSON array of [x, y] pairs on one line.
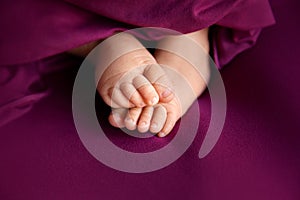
[[134, 79], [161, 118], [139, 89]]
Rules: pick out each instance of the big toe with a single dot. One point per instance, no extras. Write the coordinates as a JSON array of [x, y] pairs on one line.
[[146, 90], [165, 93], [160, 81]]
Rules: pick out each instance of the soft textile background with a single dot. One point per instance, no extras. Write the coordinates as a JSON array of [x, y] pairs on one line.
[[257, 156], [33, 30]]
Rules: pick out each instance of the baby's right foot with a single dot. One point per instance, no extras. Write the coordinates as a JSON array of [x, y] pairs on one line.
[[133, 79]]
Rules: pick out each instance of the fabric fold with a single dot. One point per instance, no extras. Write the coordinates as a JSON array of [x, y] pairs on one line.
[[34, 30]]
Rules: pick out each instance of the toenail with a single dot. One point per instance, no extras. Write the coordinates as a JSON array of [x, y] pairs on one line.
[[154, 126], [166, 93], [128, 119], [162, 134], [154, 100], [143, 123]]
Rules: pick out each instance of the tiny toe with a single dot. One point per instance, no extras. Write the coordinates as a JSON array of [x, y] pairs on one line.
[[158, 118], [145, 118], [160, 81], [132, 95], [117, 116], [169, 124], [146, 90], [132, 118], [164, 92]]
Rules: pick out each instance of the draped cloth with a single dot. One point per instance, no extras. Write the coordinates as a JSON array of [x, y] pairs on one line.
[[34, 33]]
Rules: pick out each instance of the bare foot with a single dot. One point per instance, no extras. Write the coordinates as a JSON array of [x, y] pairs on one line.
[[188, 84], [134, 79], [160, 118]]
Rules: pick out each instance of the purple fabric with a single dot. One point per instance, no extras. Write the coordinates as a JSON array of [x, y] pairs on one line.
[[34, 30], [257, 156]]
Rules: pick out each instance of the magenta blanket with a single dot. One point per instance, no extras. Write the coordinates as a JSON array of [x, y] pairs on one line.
[[33, 30], [256, 157]]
